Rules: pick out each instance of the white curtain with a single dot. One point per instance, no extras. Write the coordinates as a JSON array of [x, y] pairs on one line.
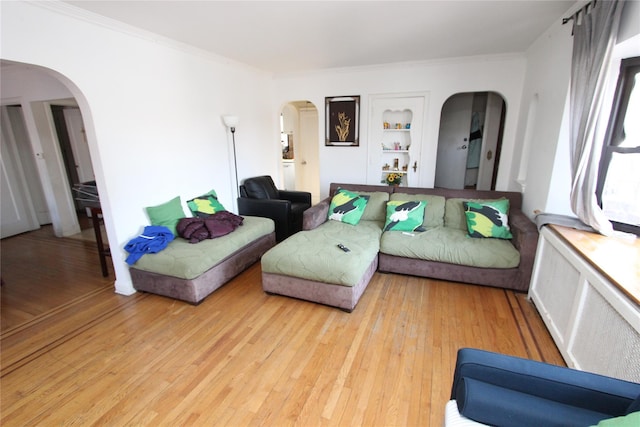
[[595, 30]]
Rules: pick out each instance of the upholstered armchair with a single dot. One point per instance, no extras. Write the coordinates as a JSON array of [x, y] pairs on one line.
[[500, 390], [260, 197]]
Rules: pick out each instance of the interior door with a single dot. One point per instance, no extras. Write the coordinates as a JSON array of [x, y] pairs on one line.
[[307, 155], [453, 141], [492, 138], [16, 210], [79, 145]]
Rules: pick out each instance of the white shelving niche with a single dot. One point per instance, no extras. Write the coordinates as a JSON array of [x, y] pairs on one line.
[[396, 124]]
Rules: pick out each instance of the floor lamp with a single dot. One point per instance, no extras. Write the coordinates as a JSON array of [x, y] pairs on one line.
[[231, 122]]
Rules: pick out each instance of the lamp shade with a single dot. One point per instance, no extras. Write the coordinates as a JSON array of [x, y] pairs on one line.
[[230, 121]]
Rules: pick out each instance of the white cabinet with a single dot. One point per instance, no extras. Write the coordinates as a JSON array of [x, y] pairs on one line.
[[289, 174], [595, 326], [396, 138]]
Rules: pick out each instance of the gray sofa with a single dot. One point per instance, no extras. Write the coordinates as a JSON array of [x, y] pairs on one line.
[[309, 266], [191, 271]]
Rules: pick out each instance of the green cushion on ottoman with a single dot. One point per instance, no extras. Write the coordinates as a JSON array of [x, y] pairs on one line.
[[314, 255]]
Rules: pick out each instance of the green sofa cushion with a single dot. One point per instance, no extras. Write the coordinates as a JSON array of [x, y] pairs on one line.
[[433, 214], [489, 219], [376, 206], [167, 214], [205, 205], [347, 206], [452, 246], [314, 255], [455, 217], [189, 260], [405, 215]]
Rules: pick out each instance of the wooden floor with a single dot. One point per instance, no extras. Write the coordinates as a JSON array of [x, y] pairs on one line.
[[242, 357]]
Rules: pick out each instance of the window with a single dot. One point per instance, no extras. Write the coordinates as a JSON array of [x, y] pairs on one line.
[[618, 187]]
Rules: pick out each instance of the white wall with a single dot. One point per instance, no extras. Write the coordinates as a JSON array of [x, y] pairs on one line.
[[547, 184], [547, 81], [152, 109], [439, 79]]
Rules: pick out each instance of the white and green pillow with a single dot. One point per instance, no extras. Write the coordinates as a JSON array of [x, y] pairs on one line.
[[405, 215], [488, 218], [205, 205], [347, 207]]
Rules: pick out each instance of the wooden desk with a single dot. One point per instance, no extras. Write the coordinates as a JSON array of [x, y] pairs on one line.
[[103, 252]]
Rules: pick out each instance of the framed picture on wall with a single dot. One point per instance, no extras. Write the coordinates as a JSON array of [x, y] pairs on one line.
[[342, 117]]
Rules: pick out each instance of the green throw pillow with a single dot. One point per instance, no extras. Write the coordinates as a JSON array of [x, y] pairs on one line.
[[167, 214], [347, 207], [405, 215], [488, 219], [205, 205], [629, 420]]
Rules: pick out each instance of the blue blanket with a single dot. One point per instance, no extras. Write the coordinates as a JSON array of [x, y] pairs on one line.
[[153, 239]]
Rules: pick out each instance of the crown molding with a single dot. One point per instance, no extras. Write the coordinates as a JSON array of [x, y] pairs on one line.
[[60, 7]]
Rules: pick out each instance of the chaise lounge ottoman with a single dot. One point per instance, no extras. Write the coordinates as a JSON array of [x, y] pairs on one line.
[[191, 271], [309, 265]]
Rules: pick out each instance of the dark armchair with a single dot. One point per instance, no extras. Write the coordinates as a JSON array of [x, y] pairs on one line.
[[260, 197]]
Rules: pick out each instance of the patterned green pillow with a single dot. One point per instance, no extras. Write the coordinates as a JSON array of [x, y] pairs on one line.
[[205, 205], [347, 207], [488, 219], [405, 215]]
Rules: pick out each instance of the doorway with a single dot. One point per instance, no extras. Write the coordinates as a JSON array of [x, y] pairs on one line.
[[73, 146], [300, 148], [470, 141], [27, 121]]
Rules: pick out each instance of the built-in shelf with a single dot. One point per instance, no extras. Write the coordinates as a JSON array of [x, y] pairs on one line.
[[396, 127]]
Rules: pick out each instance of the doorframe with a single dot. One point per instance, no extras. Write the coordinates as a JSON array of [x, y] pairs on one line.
[[311, 180], [499, 135]]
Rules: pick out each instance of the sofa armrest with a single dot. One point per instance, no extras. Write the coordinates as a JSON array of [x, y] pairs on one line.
[[524, 231], [525, 239], [316, 215], [295, 196], [574, 388], [278, 210]]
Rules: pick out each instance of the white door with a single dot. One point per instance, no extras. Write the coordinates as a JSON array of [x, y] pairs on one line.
[[79, 145], [453, 141], [307, 155], [492, 125], [16, 210]]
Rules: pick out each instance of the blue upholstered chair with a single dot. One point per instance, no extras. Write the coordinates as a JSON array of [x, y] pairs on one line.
[[500, 390]]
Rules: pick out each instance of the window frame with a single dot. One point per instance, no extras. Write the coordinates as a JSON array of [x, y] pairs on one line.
[[629, 67]]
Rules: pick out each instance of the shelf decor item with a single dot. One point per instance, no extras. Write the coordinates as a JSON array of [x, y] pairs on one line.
[[393, 179], [342, 121]]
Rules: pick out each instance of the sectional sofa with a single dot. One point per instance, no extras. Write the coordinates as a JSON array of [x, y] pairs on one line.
[[310, 265]]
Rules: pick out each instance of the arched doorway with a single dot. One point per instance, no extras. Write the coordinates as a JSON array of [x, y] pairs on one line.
[[300, 148], [470, 140], [30, 96], [40, 94]]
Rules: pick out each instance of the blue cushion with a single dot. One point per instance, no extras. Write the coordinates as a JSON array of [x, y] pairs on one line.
[[491, 404], [635, 406], [568, 386]]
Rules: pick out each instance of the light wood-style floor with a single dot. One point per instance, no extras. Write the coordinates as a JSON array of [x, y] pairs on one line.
[[242, 357]]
